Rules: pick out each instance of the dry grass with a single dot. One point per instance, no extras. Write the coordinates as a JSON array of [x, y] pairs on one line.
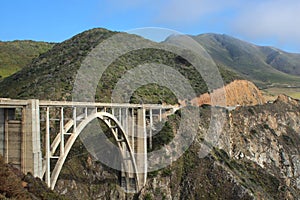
[[274, 92]]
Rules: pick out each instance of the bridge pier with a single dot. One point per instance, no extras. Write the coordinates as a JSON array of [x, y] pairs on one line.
[[20, 136], [134, 123], [141, 146], [32, 160]]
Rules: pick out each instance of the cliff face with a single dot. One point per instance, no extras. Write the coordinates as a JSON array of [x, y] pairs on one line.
[[16, 185], [256, 157], [268, 135], [238, 92]]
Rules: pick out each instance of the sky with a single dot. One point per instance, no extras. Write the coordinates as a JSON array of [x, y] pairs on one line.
[[262, 22]]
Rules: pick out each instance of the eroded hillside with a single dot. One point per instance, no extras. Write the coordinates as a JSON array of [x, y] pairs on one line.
[[238, 92]]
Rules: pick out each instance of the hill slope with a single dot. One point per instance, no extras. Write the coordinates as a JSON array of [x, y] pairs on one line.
[[51, 76], [266, 66], [17, 54]]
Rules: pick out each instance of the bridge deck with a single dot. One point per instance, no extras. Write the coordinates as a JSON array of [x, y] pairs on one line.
[[6, 102]]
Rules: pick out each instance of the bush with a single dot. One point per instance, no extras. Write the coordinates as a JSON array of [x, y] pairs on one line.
[[163, 137]]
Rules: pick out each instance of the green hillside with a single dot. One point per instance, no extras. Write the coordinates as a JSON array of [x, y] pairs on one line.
[[266, 66], [52, 75], [17, 54]]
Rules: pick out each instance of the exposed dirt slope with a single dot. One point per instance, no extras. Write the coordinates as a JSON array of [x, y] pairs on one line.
[[238, 92]]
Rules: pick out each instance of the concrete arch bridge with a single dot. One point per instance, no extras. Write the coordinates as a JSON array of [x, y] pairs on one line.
[[24, 124]]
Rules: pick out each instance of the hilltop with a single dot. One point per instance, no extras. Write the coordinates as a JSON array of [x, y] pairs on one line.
[[267, 67]]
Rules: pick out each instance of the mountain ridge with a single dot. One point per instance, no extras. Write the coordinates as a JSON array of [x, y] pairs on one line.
[[52, 75], [266, 66]]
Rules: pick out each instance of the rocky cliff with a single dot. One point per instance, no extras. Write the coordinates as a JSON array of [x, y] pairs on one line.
[[256, 157], [16, 185], [268, 135]]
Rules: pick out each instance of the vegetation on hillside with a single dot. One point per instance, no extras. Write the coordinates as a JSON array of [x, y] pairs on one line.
[[52, 75], [266, 66], [17, 54]]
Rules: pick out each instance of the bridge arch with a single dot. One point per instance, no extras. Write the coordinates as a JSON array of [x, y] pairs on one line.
[[116, 129]]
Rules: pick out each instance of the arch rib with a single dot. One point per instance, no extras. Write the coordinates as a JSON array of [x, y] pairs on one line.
[[100, 115]]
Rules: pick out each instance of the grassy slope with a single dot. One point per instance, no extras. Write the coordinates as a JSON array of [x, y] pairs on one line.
[[265, 66], [17, 54], [51, 75], [275, 91]]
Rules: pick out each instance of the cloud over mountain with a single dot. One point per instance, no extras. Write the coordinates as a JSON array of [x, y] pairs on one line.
[[274, 21], [270, 19]]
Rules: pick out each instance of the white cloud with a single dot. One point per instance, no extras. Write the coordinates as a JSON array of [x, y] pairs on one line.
[[191, 11], [277, 19]]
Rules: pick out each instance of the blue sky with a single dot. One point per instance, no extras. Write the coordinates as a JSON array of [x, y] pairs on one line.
[[263, 22]]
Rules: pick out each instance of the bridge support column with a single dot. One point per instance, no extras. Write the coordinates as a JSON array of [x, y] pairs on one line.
[[128, 124], [31, 143], [141, 146], [2, 124]]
